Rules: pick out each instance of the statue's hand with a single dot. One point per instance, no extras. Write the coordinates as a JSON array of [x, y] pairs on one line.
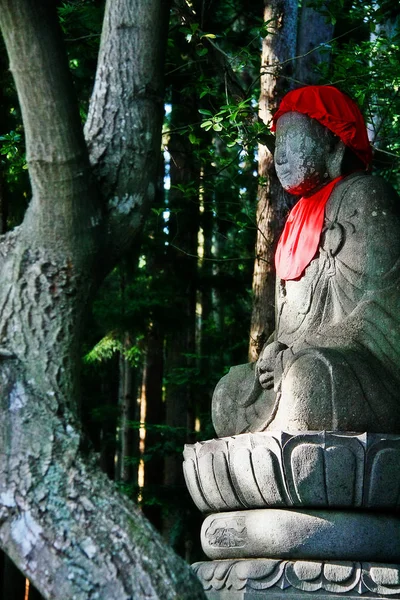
[[265, 365]]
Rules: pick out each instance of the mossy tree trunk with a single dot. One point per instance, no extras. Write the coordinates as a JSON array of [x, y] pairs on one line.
[[62, 521]]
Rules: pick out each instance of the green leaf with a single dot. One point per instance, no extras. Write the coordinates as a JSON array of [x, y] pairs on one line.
[[204, 111], [202, 51], [157, 211], [103, 350]]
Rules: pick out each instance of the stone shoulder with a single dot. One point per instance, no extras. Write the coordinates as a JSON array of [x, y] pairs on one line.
[[367, 209], [367, 193]]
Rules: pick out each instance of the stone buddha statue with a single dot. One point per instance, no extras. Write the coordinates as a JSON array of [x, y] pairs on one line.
[[333, 362]]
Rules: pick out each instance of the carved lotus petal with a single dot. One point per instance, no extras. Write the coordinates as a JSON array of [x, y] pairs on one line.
[[254, 569], [384, 488], [307, 570], [341, 476], [386, 576], [305, 469], [221, 571], [243, 475], [335, 577], [305, 575], [338, 572], [267, 474], [382, 579]]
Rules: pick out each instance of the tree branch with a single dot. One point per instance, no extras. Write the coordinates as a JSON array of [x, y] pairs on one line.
[[123, 129], [223, 71], [56, 151]]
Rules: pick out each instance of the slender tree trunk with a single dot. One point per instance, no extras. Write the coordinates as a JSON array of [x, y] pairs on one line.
[[123, 128], [129, 413], [276, 73], [153, 373], [312, 45], [184, 226], [386, 30], [205, 301], [155, 415], [108, 431]]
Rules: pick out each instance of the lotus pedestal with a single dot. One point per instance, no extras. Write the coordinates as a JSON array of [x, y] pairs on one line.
[[297, 515]]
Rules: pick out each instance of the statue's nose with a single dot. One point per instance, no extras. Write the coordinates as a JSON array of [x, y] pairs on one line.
[[262, 366], [280, 156]]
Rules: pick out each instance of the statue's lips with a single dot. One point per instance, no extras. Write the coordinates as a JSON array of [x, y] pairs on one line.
[[266, 379], [286, 179], [284, 173]]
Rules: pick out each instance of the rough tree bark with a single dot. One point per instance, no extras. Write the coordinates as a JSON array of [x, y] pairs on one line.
[[62, 521], [314, 31], [279, 46]]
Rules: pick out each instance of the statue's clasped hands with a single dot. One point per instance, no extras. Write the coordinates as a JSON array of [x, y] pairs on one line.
[[270, 364]]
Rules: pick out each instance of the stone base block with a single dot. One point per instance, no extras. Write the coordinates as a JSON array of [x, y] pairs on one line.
[[302, 534], [268, 579]]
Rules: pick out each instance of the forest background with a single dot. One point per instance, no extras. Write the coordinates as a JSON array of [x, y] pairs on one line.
[[195, 296]]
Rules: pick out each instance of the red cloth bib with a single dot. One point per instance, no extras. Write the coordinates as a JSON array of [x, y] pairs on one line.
[[332, 108], [299, 241]]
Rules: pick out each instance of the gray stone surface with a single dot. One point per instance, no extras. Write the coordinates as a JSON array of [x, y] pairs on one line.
[[264, 579], [309, 469], [334, 363], [302, 534]]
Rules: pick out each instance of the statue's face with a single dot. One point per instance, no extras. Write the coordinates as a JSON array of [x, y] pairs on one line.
[[301, 152]]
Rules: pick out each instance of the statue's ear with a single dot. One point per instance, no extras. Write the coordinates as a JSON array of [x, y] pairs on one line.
[[335, 159]]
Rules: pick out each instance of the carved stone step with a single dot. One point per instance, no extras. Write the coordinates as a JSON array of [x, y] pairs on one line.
[[310, 469], [267, 579]]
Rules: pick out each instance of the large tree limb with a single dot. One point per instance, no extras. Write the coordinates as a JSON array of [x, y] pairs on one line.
[[123, 128], [56, 151], [64, 523]]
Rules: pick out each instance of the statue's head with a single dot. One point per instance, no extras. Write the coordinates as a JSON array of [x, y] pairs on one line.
[[320, 134]]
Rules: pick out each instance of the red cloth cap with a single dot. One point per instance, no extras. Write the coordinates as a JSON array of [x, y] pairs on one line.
[[335, 110]]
